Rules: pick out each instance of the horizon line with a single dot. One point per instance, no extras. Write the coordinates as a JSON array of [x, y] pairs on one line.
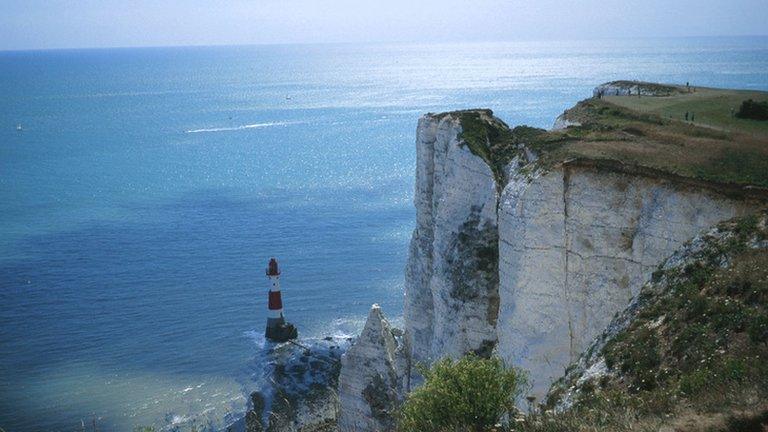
[[393, 42]]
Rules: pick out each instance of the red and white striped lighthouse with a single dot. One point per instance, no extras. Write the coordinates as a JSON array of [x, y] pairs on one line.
[[275, 299], [277, 328]]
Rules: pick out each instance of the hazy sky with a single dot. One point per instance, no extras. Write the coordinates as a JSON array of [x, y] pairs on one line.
[[98, 23]]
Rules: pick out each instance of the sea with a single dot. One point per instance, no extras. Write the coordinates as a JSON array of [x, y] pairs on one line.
[[148, 188]]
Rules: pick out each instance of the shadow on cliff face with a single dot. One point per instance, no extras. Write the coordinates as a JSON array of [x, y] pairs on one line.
[[474, 263]]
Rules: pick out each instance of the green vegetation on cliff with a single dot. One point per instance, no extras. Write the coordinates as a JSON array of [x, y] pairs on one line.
[[648, 131], [491, 139], [471, 394], [753, 110], [709, 329]]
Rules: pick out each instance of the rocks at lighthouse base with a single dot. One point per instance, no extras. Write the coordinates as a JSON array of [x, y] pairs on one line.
[[282, 332], [300, 391]]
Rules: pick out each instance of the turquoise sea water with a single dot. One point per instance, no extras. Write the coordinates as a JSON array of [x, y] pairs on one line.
[[149, 187]]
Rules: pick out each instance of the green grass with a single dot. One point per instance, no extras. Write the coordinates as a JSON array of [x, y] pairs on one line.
[[635, 131], [750, 167], [711, 107], [491, 139], [646, 131]]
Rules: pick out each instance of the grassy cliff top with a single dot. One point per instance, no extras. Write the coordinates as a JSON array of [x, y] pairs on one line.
[[647, 131], [711, 108]]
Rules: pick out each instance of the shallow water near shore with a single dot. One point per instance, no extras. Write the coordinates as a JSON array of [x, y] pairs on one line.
[[149, 187]]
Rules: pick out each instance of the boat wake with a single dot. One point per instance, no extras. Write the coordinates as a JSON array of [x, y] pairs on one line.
[[242, 127]]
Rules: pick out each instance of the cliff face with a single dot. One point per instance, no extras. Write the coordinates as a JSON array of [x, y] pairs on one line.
[[577, 243], [633, 88], [451, 279], [528, 242], [691, 344], [562, 123]]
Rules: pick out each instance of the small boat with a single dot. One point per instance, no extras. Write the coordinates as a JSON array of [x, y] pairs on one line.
[[18, 127]]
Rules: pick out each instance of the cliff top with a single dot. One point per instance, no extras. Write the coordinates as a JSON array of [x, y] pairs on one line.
[[490, 138], [710, 145]]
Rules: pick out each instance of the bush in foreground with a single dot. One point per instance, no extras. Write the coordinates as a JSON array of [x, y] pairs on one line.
[[471, 394]]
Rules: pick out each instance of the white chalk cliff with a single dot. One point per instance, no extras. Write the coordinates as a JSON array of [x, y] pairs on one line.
[[562, 122], [633, 88], [532, 264], [451, 277], [577, 243]]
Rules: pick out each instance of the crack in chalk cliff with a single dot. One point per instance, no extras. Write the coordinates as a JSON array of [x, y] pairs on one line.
[[607, 257], [566, 244], [513, 248]]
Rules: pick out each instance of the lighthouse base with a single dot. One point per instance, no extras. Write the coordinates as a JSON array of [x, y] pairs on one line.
[[282, 332]]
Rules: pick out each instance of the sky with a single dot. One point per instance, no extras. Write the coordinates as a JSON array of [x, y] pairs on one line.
[[47, 24]]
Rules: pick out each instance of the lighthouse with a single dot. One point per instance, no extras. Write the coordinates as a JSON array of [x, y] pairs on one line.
[[278, 330]]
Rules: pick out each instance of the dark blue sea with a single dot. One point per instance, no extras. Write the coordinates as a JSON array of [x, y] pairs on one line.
[[147, 189]]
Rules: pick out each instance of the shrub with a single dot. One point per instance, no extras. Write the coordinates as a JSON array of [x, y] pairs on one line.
[[471, 394], [695, 382], [758, 329], [638, 356], [753, 110]]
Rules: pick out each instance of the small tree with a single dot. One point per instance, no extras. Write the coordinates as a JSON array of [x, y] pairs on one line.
[[471, 394]]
